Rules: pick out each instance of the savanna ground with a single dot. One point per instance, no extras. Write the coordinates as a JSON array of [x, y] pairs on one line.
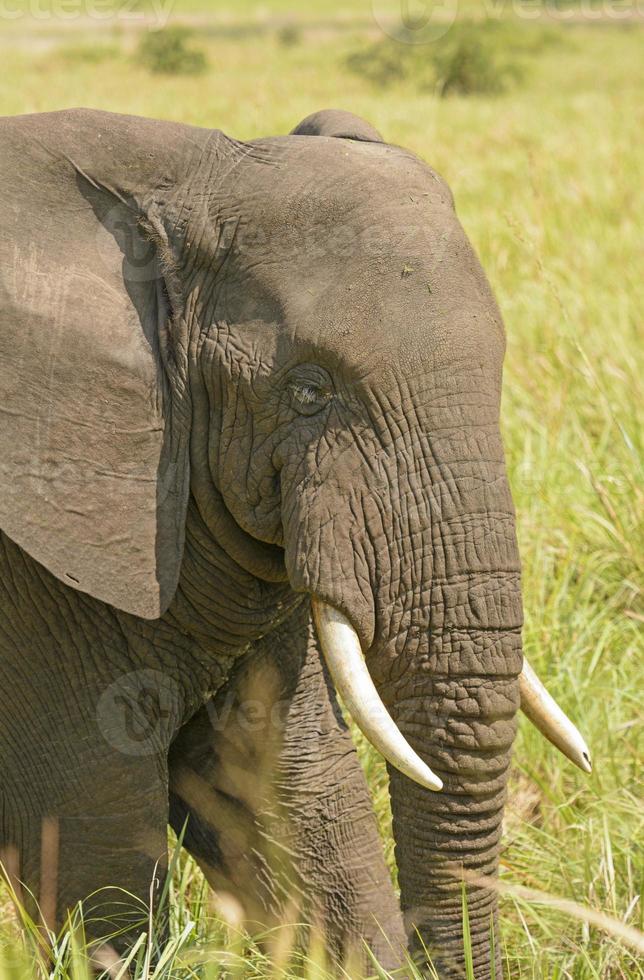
[[548, 179]]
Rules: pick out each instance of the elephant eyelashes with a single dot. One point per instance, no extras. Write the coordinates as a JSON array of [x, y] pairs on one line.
[[310, 393]]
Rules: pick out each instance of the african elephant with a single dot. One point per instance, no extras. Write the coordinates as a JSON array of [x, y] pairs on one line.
[[250, 404]]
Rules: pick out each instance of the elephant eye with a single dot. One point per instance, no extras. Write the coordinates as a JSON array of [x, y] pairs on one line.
[[309, 391]]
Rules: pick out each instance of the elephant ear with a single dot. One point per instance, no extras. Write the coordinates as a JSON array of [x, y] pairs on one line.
[[337, 122], [93, 440]]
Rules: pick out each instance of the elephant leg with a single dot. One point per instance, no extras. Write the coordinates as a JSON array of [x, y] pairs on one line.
[[105, 846], [82, 821], [83, 755], [267, 784]]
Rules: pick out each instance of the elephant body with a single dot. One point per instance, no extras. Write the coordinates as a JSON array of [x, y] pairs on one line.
[[238, 744], [239, 381]]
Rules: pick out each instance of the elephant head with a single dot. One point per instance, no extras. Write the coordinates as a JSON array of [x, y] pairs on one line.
[[294, 334]]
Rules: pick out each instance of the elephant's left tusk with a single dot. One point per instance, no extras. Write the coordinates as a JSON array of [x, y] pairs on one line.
[[544, 712], [343, 654]]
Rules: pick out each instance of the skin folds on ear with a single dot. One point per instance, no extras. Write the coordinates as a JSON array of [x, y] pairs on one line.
[[93, 440]]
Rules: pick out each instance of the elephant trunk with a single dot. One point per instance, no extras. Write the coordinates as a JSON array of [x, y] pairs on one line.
[[448, 743], [446, 681], [455, 696], [445, 660], [461, 719]]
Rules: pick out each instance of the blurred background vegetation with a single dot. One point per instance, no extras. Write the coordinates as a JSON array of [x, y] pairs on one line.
[[536, 122]]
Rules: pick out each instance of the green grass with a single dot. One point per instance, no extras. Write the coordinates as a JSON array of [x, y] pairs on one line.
[[548, 181]]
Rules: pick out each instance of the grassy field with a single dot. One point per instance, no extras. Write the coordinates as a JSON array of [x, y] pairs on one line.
[[548, 182]]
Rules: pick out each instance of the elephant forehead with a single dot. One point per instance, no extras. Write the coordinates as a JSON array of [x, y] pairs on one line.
[[324, 191], [305, 168], [415, 308], [357, 252]]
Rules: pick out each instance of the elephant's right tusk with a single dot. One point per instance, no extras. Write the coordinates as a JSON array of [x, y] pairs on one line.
[[544, 712], [343, 655]]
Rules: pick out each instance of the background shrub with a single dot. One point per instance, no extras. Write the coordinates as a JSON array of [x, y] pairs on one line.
[[289, 35], [168, 52], [473, 57]]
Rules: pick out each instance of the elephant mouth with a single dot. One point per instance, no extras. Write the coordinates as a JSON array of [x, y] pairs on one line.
[[344, 658]]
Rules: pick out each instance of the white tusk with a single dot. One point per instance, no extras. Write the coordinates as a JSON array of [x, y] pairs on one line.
[[343, 654], [544, 712]]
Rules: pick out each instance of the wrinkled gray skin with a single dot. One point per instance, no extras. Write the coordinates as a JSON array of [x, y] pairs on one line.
[[233, 376]]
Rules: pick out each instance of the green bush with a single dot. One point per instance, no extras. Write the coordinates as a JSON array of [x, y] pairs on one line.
[[168, 52], [471, 60], [473, 57], [289, 35]]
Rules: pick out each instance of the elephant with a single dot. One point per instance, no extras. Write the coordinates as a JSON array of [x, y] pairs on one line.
[[251, 470]]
